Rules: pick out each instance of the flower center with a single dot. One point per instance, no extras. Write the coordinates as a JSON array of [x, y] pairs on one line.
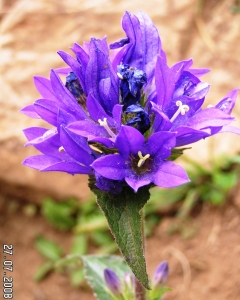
[[141, 164], [107, 128], [142, 158], [182, 109]]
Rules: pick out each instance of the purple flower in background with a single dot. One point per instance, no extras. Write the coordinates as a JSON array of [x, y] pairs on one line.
[[161, 273], [112, 281], [119, 112]]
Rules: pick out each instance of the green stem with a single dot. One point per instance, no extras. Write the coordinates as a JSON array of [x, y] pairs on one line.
[[140, 292]]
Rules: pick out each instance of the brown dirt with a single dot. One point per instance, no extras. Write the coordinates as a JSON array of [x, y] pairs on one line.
[[205, 266]]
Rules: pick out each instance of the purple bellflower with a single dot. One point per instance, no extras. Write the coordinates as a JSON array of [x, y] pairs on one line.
[[140, 163], [177, 100], [120, 112]]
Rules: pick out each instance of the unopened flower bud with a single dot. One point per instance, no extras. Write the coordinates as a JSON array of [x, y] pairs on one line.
[[112, 281], [161, 273]]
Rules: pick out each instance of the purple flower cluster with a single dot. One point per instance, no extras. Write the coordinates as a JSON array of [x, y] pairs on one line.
[[121, 110], [118, 287]]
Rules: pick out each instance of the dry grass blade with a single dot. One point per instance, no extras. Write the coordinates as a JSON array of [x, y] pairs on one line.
[[185, 266]]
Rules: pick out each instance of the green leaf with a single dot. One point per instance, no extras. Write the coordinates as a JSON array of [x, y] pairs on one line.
[[90, 225], [110, 248], [94, 267], [101, 238], [216, 197], [79, 245], [77, 277], [43, 271], [225, 181], [122, 213], [48, 248], [59, 214]]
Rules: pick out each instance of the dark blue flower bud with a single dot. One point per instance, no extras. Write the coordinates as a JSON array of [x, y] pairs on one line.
[[112, 281], [132, 81], [140, 120], [74, 87], [161, 273]]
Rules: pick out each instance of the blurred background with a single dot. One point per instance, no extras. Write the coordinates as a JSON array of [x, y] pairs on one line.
[[196, 228]]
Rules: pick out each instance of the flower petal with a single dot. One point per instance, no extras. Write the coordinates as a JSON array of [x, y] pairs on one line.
[[129, 140], [164, 81], [231, 129], [110, 166], [69, 167], [40, 162], [76, 146], [209, 117], [187, 135], [75, 66], [170, 175], [44, 87], [66, 97], [88, 129], [160, 144], [47, 110], [227, 104], [135, 183], [30, 111]]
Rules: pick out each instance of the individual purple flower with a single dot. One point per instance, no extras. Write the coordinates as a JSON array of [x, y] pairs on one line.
[[141, 162], [177, 101], [160, 275], [112, 281]]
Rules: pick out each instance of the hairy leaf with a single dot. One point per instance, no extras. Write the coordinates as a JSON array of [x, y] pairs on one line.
[[124, 220]]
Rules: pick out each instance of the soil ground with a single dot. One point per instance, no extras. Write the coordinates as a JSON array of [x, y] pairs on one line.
[[205, 266]]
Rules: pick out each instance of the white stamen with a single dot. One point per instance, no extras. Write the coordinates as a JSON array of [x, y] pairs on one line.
[[183, 108], [61, 149], [142, 158], [95, 149], [210, 106], [120, 76], [105, 125]]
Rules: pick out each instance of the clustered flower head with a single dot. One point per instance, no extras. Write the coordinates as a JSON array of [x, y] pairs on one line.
[[121, 110]]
